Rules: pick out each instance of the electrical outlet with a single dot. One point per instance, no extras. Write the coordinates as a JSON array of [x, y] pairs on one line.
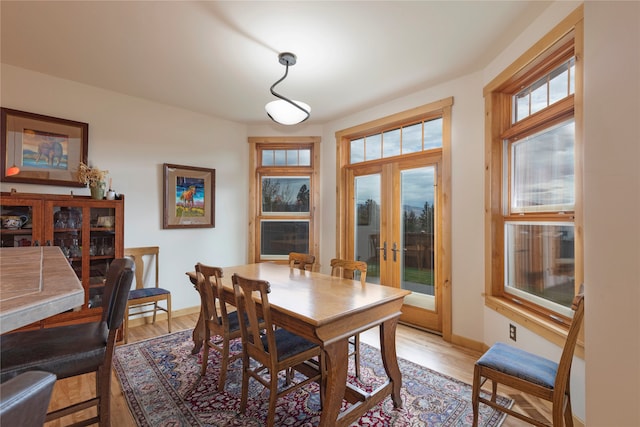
[[512, 331]]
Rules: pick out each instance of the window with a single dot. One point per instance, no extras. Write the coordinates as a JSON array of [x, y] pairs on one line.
[[286, 196], [534, 180], [413, 138]]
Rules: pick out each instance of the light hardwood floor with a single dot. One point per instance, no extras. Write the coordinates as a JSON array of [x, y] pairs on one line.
[[420, 347]]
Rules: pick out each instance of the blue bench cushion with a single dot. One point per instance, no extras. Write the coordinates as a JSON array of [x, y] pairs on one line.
[[521, 364], [146, 292]]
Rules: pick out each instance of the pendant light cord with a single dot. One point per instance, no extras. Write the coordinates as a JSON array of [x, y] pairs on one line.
[[284, 98]]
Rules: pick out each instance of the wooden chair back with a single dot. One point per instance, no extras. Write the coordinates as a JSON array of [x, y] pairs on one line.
[[144, 255], [214, 309], [249, 312], [348, 268], [302, 261]]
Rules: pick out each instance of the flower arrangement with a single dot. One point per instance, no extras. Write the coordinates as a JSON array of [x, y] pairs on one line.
[[92, 176]]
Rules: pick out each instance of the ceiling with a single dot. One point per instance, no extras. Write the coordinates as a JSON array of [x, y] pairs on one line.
[[220, 57]]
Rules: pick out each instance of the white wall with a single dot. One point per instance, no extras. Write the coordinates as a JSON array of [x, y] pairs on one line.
[[612, 206], [132, 138]]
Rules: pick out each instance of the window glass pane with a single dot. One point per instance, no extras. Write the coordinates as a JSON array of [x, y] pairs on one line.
[[521, 105], [280, 157], [392, 143], [357, 151], [412, 138], [433, 134], [278, 238], [543, 170], [292, 158], [373, 145], [539, 96], [539, 263], [305, 157], [285, 194], [267, 157], [572, 76], [391, 146], [558, 85]]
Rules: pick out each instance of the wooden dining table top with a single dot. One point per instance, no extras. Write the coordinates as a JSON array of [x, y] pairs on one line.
[[35, 283], [315, 298]]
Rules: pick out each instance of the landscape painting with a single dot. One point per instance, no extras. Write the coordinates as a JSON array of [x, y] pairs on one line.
[[189, 196]]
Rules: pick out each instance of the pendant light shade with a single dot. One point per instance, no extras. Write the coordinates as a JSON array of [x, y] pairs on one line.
[[284, 110]]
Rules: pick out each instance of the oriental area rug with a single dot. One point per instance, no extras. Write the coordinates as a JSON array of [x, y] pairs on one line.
[[162, 385]]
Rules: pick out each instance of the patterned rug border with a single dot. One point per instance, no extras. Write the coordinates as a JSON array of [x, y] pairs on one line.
[[162, 390]]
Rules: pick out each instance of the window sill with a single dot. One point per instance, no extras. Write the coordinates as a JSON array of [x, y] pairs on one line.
[[539, 325]]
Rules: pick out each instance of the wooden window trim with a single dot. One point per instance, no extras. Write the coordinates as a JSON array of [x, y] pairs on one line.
[[497, 120]]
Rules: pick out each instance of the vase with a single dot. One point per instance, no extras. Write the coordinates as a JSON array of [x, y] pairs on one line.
[[97, 191]]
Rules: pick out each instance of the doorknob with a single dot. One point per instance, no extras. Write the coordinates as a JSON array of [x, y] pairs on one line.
[[395, 251], [384, 250]]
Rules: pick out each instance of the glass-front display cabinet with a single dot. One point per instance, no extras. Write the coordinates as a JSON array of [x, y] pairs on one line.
[[89, 232]]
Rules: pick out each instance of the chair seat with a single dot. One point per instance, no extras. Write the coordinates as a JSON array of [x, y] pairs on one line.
[[146, 292], [65, 351], [234, 322], [289, 344], [520, 364]]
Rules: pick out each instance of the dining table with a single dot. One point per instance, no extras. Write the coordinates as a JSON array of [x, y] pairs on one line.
[[327, 310], [36, 282]]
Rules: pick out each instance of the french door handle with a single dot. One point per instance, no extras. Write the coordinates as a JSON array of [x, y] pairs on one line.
[[384, 251], [395, 251]]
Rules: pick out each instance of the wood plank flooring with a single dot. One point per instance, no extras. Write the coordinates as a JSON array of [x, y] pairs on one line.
[[412, 344]]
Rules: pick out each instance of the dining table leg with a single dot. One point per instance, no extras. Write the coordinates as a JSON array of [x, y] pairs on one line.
[[198, 335], [336, 358], [390, 359]]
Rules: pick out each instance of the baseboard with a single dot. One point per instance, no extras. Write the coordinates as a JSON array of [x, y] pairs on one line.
[[468, 343], [161, 316]]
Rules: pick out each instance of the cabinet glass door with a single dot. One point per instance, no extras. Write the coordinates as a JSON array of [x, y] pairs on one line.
[[16, 223], [101, 251]]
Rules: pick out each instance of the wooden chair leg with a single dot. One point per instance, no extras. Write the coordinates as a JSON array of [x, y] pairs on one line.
[[356, 343], [273, 399], [475, 403], [125, 328], [224, 365], [205, 358], [169, 312], [103, 391]]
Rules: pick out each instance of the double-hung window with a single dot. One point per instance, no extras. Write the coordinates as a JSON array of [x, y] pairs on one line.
[[535, 261], [285, 190]]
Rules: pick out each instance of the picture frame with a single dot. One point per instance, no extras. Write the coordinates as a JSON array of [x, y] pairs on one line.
[[47, 150], [189, 197]]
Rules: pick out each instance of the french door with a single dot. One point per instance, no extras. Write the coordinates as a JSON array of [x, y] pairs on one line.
[[394, 215]]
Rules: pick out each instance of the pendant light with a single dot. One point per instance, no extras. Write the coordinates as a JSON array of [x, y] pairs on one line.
[[284, 110]]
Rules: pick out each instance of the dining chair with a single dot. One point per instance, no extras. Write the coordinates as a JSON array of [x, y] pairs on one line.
[[531, 374], [274, 350], [302, 261], [347, 269], [72, 350], [220, 326], [24, 399], [143, 300]]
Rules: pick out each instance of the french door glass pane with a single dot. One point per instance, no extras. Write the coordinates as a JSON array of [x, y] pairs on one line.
[[539, 262], [418, 209], [367, 230]]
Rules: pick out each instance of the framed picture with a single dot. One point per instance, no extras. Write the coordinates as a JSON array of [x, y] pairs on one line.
[[189, 197], [39, 149]]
